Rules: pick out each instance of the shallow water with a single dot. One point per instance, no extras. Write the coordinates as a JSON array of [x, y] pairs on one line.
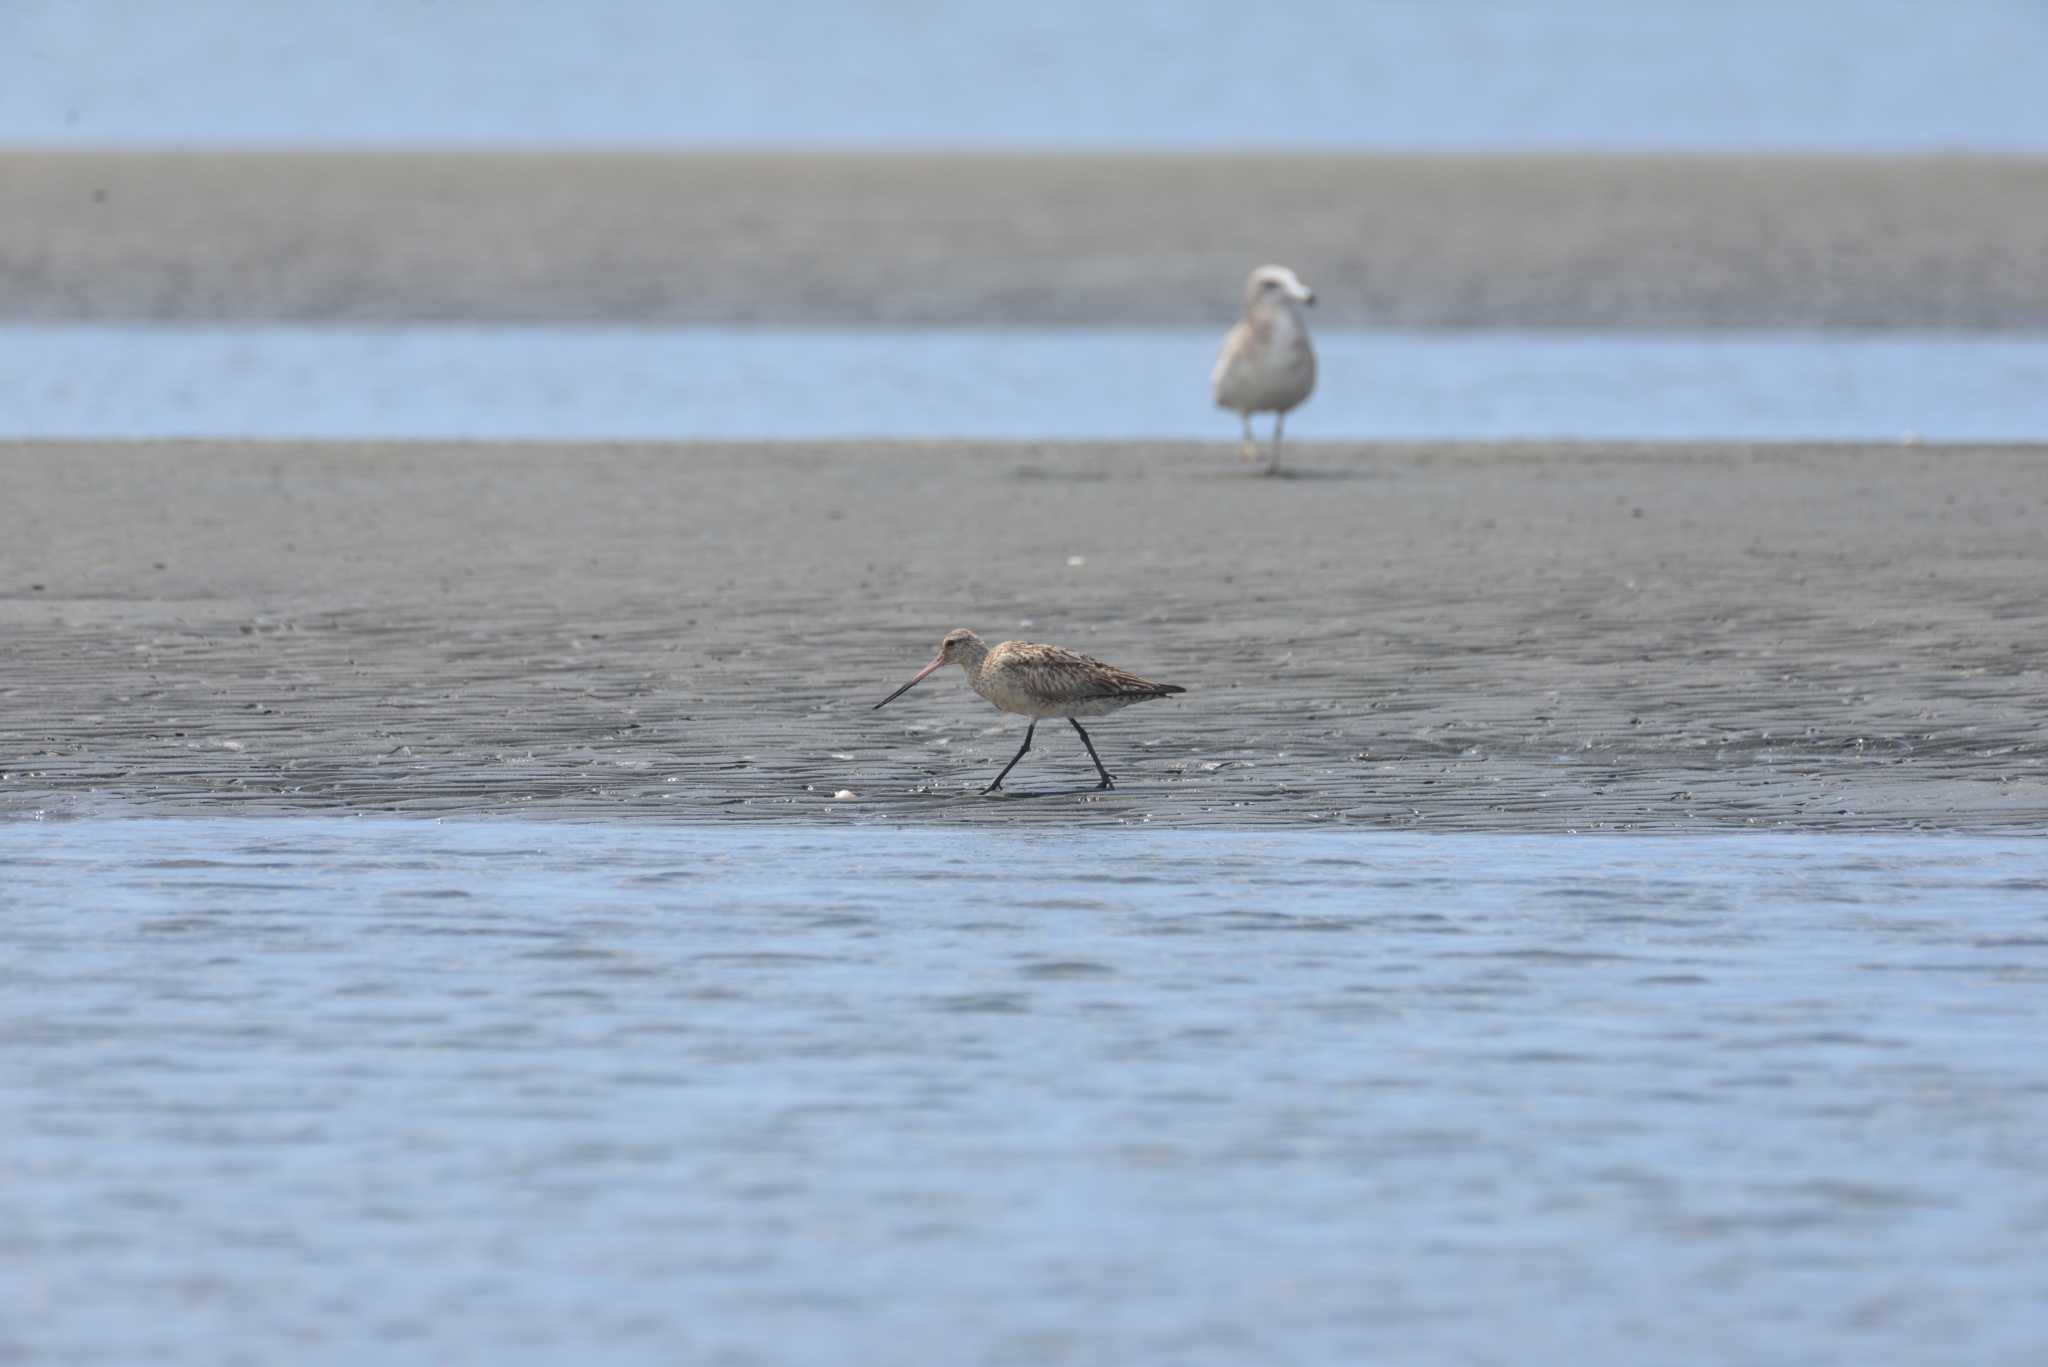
[[1575, 74], [325, 1090], [588, 383]]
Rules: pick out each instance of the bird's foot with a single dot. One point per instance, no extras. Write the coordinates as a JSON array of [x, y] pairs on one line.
[[1107, 782], [1248, 451], [992, 788]]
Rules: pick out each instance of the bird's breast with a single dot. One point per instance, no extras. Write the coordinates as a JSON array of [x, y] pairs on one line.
[[1026, 691]]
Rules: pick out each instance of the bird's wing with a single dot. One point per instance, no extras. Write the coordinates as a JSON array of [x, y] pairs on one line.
[[1241, 346], [1075, 675], [1234, 343]]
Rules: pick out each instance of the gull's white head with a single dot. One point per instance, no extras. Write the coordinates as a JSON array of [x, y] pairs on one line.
[[1269, 283]]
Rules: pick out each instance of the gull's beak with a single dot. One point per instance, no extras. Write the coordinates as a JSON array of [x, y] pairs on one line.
[[1308, 296], [922, 675]]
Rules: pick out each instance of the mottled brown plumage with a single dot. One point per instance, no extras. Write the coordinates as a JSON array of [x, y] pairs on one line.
[[1040, 681]]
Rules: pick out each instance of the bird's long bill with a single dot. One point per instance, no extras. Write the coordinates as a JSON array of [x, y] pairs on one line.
[[922, 675]]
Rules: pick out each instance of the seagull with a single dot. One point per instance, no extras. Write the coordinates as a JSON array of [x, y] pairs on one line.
[[1038, 681], [1267, 364]]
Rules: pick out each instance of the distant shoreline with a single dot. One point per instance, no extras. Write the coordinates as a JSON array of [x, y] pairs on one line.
[[1693, 242]]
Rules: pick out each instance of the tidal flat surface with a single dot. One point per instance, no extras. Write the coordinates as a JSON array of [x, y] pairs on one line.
[[1523, 638], [325, 1089]]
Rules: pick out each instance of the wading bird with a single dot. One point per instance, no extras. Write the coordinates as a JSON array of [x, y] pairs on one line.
[[1038, 682], [1267, 364]]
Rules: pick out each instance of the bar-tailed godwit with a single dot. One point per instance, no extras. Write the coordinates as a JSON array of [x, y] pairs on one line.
[[1038, 682], [1267, 364]]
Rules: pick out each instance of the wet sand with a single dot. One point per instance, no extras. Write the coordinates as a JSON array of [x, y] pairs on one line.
[[1507, 638], [1700, 242]]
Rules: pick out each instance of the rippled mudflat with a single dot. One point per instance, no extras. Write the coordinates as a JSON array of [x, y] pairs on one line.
[[1523, 638], [333, 1089]]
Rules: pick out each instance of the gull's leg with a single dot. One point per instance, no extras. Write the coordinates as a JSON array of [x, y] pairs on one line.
[[1107, 782], [1013, 761], [1250, 449], [1273, 460]]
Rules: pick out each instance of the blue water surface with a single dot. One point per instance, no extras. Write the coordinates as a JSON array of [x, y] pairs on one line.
[[97, 380], [1844, 75], [328, 1090]]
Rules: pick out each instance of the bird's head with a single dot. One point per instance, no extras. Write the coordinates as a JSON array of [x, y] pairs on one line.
[[960, 643], [1273, 283], [960, 646]]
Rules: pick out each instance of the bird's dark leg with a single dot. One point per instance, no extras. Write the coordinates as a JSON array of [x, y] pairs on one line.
[[1107, 781], [1013, 761]]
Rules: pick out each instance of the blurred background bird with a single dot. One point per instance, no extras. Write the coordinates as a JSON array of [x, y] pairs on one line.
[[1267, 364]]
